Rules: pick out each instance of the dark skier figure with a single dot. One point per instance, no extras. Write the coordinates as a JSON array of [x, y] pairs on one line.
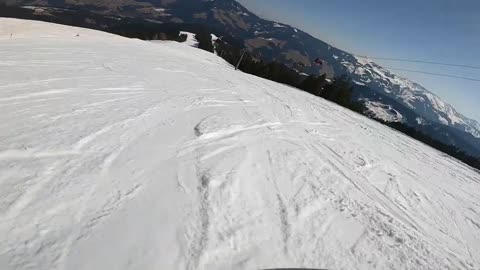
[[318, 62]]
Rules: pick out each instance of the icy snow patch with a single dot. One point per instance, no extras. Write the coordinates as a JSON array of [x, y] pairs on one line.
[[443, 120], [269, 39], [359, 83], [383, 111], [214, 40]]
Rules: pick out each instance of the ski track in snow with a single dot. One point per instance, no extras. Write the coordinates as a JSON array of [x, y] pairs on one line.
[[121, 156]]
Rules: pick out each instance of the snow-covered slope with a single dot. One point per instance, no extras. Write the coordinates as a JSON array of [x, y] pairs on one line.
[[115, 154], [280, 42], [191, 40]]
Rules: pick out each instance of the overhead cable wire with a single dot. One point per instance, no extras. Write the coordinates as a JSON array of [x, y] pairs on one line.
[[419, 61], [435, 74]]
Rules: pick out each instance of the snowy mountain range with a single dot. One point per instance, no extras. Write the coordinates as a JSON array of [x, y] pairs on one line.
[[430, 114], [414, 96], [280, 42]]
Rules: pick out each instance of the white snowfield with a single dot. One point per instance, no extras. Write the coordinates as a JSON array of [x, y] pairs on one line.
[[122, 154], [191, 40]]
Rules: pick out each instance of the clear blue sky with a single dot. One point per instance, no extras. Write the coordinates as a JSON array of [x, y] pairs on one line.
[[430, 30]]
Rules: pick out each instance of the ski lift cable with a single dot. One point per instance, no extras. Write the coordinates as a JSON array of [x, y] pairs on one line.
[[435, 74], [418, 61]]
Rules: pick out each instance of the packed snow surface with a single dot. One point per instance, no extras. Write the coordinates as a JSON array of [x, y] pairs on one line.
[[122, 154]]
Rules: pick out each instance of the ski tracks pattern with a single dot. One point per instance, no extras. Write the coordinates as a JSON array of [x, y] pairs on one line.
[[201, 167]]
